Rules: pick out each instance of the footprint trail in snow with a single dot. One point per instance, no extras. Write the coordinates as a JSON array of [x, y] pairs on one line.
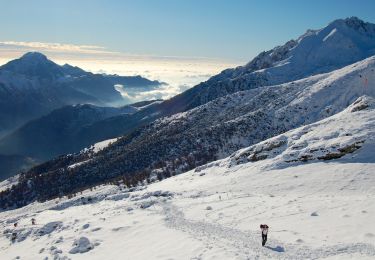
[[246, 245]]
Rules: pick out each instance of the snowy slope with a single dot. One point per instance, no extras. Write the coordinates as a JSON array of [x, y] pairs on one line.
[[209, 132], [316, 209], [329, 139], [342, 42]]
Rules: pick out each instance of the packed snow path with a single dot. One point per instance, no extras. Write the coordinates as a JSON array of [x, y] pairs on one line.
[[246, 245]]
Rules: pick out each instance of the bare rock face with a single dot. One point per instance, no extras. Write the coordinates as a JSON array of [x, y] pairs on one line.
[[361, 103], [342, 151]]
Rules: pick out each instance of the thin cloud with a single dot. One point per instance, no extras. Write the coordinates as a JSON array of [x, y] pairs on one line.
[[57, 47]]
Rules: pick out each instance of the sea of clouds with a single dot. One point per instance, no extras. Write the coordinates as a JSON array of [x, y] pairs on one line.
[[177, 73]]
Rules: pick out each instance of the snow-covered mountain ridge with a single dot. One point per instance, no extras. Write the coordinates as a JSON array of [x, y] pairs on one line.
[[342, 42], [275, 108], [350, 40], [316, 209], [183, 141]]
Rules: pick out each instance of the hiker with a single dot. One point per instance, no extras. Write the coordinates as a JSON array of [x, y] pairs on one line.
[[33, 221], [264, 229], [13, 237]]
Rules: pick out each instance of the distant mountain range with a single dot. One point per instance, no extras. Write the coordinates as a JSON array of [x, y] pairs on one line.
[[64, 130], [32, 86], [306, 80], [61, 131]]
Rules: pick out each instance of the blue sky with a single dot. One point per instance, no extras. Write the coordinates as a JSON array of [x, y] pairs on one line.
[[231, 29], [181, 42]]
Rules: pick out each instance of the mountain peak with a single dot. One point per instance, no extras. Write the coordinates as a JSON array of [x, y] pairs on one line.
[[354, 21], [34, 56], [355, 24], [34, 64], [342, 42]]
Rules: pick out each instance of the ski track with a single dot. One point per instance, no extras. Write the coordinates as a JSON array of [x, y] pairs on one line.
[[246, 245]]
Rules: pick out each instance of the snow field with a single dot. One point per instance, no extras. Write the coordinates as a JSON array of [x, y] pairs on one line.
[[318, 209]]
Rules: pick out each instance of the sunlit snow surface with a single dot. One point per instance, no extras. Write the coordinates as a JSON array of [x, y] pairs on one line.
[[318, 209]]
